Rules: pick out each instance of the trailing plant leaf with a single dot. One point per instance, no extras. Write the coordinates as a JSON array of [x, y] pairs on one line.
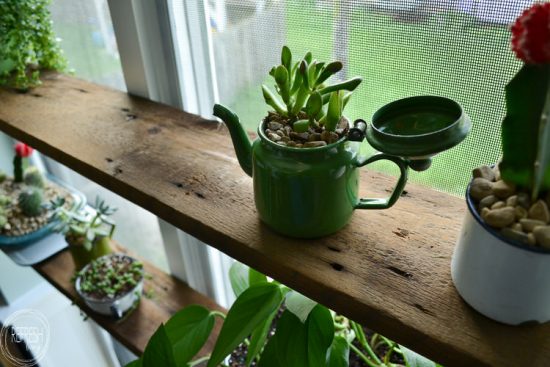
[[339, 352], [136, 363], [288, 347], [300, 344], [299, 305], [258, 338], [253, 306], [413, 359], [255, 277], [238, 277], [158, 351], [320, 334], [521, 129], [188, 330]]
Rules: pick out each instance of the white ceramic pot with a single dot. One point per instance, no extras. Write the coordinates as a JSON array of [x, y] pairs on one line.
[[115, 307], [502, 279]]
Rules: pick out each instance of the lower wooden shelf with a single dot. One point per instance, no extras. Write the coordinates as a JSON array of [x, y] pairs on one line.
[[169, 295]]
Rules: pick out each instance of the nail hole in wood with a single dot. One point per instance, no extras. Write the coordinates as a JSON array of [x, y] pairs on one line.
[[423, 309], [200, 195], [334, 249], [337, 266], [400, 272], [109, 160], [153, 130], [130, 117]]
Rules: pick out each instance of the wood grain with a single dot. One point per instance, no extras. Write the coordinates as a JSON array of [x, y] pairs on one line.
[[168, 295], [389, 270]]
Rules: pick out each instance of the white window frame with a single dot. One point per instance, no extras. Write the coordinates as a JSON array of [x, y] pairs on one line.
[[151, 36]]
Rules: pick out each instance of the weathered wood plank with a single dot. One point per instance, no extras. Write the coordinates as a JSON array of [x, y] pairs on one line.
[[389, 270], [168, 296]]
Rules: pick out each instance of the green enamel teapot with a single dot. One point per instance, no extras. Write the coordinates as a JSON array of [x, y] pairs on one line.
[[312, 192]]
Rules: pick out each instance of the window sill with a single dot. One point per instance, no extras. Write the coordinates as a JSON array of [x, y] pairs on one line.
[[389, 270]]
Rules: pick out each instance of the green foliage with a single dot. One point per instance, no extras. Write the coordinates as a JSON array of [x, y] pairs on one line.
[[3, 176], [306, 335], [30, 202], [4, 200], [339, 352], [248, 312], [79, 224], [526, 130], [413, 359], [3, 220], [33, 177], [298, 344], [301, 89], [27, 43]]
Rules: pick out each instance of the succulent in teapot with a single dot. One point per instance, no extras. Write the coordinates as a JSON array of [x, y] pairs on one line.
[[306, 111]]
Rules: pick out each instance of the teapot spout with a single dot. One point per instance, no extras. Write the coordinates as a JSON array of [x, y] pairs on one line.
[[241, 143]]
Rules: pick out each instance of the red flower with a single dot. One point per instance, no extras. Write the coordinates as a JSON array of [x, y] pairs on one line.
[[23, 150], [531, 35]]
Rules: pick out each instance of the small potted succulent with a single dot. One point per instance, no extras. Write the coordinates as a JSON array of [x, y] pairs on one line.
[[87, 232], [111, 285], [501, 265], [23, 213], [302, 145]]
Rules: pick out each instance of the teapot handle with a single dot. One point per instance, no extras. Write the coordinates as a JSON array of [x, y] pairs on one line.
[[385, 203]]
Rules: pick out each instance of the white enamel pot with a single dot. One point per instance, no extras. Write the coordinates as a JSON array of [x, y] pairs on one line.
[[502, 279]]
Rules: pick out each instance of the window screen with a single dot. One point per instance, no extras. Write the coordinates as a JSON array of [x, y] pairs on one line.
[[453, 48]]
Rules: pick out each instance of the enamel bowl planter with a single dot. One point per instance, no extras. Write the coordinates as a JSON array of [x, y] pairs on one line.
[[504, 280], [116, 306]]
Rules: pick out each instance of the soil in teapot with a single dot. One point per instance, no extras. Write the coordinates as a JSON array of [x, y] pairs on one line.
[[279, 130], [18, 224]]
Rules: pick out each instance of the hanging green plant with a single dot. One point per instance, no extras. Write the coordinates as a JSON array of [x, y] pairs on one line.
[[27, 43]]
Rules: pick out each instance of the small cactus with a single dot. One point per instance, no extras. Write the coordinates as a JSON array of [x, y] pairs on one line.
[[33, 177], [30, 202], [22, 152]]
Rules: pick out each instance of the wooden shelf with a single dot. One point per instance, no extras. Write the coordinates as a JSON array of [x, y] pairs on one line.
[[168, 295], [389, 270]]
